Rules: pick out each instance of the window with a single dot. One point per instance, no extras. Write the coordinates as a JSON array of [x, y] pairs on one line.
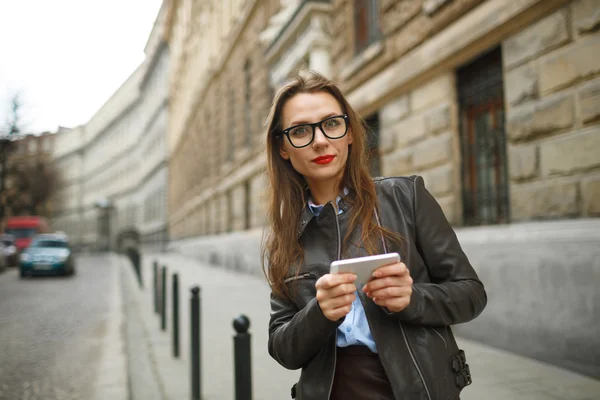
[[483, 141], [229, 211], [211, 144], [248, 104], [247, 205], [230, 149], [366, 24], [372, 125]]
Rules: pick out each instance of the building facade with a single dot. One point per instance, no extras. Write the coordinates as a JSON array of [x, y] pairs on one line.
[[118, 171], [495, 103], [218, 101], [478, 97], [68, 158]]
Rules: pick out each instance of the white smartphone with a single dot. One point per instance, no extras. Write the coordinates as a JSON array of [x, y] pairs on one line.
[[363, 267]]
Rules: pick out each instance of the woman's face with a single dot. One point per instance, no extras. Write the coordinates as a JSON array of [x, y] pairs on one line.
[[324, 159]]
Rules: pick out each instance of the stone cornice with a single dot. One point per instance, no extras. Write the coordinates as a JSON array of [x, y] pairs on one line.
[[309, 33], [290, 28], [484, 27]]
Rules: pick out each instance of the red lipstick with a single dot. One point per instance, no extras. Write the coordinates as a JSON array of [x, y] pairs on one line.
[[326, 159]]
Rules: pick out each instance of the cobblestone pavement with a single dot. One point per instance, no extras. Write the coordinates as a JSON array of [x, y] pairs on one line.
[[55, 334]]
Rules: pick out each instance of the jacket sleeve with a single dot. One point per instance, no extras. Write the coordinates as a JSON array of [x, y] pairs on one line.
[[296, 336], [455, 294]]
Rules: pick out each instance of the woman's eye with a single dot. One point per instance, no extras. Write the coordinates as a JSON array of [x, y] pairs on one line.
[[332, 123], [301, 130]]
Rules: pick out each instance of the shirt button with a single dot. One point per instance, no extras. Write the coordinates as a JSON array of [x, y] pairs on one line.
[[348, 329]]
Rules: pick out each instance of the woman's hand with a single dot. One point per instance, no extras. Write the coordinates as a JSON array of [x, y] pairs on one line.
[[390, 287], [335, 294]]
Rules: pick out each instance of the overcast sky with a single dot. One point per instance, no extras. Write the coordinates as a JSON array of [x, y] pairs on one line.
[[67, 57]]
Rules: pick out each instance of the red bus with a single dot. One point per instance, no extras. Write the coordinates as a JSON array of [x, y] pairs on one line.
[[24, 228]]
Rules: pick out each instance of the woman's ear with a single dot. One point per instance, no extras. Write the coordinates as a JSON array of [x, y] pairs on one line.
[[349, 136], [284, 154]]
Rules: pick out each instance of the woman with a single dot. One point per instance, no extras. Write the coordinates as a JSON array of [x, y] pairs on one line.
[[391, 338]]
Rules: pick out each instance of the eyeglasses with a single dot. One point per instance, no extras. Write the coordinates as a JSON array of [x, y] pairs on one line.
[[302, 135]]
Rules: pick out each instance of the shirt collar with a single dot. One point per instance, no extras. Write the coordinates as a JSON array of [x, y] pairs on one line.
[[316, 208]]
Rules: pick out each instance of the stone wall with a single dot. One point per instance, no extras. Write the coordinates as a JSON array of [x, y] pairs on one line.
[[551, 78], [552, 100], [404, 26], [419, 135], [220, 151]]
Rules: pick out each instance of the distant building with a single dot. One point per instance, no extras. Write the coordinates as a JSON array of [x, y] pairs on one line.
[[117, 162], [68, 158]]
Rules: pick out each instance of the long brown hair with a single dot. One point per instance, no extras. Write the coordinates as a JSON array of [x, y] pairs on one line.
[[287, 195]]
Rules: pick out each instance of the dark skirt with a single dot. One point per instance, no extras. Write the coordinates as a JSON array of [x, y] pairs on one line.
[[359, 375]]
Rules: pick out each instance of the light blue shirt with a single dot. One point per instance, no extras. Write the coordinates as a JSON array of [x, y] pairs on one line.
[[355, 328]]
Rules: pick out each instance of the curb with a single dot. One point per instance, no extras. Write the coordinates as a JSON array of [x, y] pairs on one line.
[[112, 381], [145, 382]]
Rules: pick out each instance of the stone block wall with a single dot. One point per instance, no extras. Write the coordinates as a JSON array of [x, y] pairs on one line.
[[404, 25], [419, 136], [215, 158], [552, 100]]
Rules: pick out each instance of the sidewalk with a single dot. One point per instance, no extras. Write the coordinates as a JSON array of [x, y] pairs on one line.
[[224, 295]]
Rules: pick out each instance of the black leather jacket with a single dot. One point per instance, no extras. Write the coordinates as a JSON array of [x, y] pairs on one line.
[[416, 346]]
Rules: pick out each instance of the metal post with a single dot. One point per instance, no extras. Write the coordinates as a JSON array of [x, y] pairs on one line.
[[138, 258], [175, 283], [155, 286], [163, 300], [242, 358], [195, 342]]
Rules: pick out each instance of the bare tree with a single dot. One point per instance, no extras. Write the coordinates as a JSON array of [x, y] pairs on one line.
[[33, 186], [33, 179], [13, 128], [13, 122]]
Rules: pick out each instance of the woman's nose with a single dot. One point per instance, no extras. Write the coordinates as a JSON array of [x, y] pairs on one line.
[[320, 138]]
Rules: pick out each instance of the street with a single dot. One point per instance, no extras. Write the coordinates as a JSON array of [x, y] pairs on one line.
[[53, 329]]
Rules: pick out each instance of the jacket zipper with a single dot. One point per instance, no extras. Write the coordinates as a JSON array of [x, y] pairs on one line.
[[412, 356], [305, 275], [339, 255]]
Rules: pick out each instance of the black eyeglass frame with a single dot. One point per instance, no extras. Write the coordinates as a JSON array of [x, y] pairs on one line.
[[314, 125]]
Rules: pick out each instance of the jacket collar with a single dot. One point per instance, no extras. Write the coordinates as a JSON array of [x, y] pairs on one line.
[[307, 214], [305, 218]]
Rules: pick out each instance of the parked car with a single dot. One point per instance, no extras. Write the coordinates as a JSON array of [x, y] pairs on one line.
[[48, 254], [24, 228], [9, 250]]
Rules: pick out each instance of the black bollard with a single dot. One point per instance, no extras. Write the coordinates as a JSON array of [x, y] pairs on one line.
[[242, 358], [163, 300], [175, 293], [140, 272], [136, 260], [195, 342], [155, 284]]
